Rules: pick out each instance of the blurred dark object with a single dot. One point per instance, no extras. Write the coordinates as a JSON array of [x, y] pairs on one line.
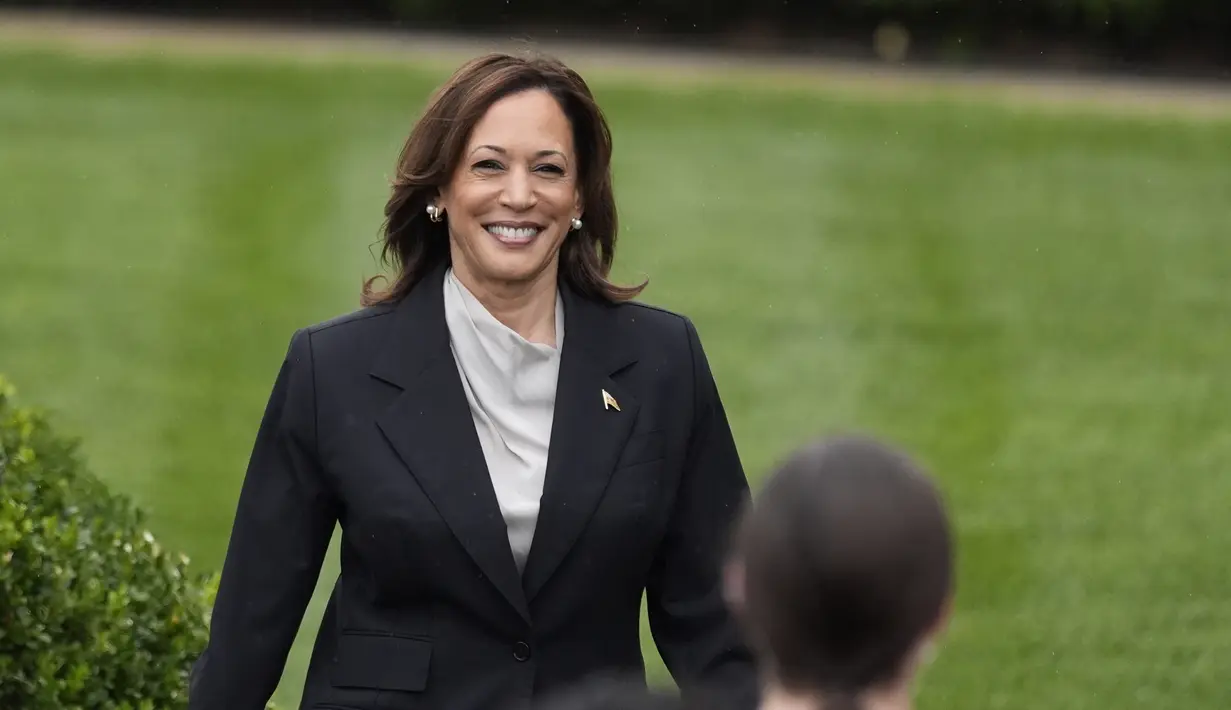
[[1139, 36], [616, 692], [611, 694]]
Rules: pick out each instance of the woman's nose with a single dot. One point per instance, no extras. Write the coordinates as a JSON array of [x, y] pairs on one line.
[[518, 192]]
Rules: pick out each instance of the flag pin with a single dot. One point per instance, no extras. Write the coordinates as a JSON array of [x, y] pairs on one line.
[[610, 402]]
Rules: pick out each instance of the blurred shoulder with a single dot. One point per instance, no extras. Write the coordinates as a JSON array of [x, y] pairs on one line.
[[345, 334], [648, 319], [657, 328], [347, 323]]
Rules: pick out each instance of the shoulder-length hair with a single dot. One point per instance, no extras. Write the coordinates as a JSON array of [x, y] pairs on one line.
[[415, 245]]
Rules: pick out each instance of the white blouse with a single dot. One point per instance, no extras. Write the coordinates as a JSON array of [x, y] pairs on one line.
[[510, 384]]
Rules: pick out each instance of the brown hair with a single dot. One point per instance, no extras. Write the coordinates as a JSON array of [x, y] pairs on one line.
[[416, 245], [847, 563]]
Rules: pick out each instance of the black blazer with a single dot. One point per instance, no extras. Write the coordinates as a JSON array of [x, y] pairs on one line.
[[368, 426]]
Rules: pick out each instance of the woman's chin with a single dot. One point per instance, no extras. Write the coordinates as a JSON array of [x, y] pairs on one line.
[[516, 267]]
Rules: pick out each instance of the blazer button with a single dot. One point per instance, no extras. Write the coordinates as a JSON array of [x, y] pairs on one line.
[[521, 651]]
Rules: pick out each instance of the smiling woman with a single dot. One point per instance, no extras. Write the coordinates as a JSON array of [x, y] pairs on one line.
[[517, 452], [506, 144], [513, 201]]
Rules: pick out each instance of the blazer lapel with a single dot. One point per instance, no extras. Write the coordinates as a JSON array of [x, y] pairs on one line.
[[587, 435], [430, 427]]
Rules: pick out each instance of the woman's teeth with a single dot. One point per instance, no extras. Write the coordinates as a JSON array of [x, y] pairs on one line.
[[513, 234]]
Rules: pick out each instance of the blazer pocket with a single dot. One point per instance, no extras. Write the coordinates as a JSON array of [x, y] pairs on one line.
[[643, 448], [381, 662]]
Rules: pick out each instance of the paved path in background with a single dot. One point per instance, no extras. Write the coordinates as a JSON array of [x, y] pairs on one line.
[[99, 35]]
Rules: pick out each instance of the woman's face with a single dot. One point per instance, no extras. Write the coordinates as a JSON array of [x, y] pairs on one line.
[[510, 203]]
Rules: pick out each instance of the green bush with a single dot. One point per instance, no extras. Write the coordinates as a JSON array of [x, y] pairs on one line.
[[94, 614]]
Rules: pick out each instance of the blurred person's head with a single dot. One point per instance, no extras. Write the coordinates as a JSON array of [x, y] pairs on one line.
[[507, 176], [841, 574]]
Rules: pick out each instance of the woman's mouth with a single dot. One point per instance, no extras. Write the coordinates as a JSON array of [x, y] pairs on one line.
[[513, 234]]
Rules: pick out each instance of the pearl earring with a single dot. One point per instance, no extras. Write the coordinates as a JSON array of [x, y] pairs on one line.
[[576, 223], [434, 213]]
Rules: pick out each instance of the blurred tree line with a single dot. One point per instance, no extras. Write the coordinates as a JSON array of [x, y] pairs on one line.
[[1179, 33]]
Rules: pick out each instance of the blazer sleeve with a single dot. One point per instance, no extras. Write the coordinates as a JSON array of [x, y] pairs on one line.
[[691, 624], [283, 524]]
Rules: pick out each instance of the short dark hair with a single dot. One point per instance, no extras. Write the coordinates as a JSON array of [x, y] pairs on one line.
[[847, 563], [430, 156]]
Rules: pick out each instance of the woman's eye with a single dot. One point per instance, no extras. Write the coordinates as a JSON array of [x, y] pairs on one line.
[[487, 165], [552, 169]]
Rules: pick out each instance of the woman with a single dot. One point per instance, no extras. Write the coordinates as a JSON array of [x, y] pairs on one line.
[[514, 449], [842, 575]]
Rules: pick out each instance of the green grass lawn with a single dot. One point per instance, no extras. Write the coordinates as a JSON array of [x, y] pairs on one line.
[[1036, 303]]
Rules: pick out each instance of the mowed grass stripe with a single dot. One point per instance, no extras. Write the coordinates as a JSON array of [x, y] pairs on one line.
[[1030, 302], [264, 203], [94, 236]]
